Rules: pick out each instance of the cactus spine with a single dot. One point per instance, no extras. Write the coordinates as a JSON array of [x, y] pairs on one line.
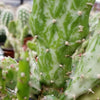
[[59, 32]]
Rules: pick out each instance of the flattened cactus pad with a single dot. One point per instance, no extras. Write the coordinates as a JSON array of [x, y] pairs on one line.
[[60, 26], [87, 73]]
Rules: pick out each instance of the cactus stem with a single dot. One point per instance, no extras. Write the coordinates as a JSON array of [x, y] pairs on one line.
[[68, 23]]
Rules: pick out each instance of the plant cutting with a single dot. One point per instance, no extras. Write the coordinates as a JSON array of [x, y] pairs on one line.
[[85, 69], [59, 64], [59, 32]]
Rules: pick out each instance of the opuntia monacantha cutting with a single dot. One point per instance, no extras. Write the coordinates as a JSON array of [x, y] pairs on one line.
[[87, 73], [59, 32]]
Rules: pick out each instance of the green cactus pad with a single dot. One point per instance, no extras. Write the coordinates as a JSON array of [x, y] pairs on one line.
[[87, 72], [60, 26], [23, 83], [9, 71]]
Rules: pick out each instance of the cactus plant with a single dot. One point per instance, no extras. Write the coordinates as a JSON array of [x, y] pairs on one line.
[[23, 14], [44, 70], [18, 30], [8, 74], [86, 74], [15, 30], [23, 81], [59, 32], [35, 79], [9, 71], [15, 36], [6, 17]]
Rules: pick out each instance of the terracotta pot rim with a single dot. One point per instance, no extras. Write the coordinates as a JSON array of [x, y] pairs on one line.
[[7, 49], [26, 38], [8, 52]]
